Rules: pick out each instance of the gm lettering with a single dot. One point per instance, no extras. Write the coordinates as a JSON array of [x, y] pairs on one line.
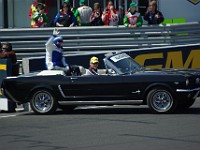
[[173, 59]]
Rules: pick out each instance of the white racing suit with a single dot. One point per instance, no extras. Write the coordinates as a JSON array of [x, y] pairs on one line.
[[54, 56]]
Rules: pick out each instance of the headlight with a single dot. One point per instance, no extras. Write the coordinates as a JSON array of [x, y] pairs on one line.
[[197, 81], [187, 82]]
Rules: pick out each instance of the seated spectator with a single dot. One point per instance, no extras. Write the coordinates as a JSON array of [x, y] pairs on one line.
[[83, 14], [39, 18], [6, 52], [65, 18], [133, 18], [95, 18], [153, 16], [110, 15], [93, 69], [33, 9]]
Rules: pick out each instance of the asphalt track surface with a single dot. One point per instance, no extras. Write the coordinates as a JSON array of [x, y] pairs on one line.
[[101, 128]]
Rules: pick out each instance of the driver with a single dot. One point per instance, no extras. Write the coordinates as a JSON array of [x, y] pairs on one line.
[[93, 69], [54, 53]]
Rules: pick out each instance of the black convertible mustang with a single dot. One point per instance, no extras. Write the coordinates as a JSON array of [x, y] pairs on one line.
[[124, 82]]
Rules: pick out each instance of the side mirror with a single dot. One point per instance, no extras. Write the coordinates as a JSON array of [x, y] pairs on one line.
[[110, 71]]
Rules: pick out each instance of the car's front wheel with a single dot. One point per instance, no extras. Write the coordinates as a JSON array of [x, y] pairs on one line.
[[161, 100], [43, 102]]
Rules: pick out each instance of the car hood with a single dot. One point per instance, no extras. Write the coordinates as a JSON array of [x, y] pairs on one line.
[[183, 72]]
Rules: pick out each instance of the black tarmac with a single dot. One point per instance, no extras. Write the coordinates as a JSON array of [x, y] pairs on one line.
[[101, 128]]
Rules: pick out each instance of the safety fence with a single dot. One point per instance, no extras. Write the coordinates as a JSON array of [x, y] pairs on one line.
[[31, 42]]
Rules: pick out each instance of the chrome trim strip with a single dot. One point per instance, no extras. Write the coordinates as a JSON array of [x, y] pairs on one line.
[[61, 91], [187, 90], [88, 96], [136, 92], [115, 102]]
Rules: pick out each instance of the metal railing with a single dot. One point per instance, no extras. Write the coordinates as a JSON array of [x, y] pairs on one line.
[[31, 42]]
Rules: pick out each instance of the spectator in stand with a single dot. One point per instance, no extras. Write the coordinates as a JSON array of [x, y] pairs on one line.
[[33, 9], [6, 52], [83, 14], [132, 18], [95, 18], [65, 18], [39, 18], [153, 16], [110, 15]]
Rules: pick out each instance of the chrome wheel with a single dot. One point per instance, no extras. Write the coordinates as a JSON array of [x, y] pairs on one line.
[[161, 101], [43, 102]]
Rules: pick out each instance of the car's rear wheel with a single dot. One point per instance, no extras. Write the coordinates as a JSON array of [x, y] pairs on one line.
[[43, 102], [161, 101]]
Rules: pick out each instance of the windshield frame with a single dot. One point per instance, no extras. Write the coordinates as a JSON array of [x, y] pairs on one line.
[[115, 62]]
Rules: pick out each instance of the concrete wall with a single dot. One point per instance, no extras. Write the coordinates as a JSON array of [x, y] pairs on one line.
[[21, 18], [180, 9]]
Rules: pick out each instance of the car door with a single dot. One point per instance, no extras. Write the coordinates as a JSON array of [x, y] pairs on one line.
[[134, 86], [102, 87]]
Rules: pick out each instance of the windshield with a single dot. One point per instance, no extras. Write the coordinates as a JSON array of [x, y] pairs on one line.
[[125, 64]]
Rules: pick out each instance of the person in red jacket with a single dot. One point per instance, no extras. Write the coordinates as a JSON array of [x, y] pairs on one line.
[[33, 9], [110, 15], [39, 18]]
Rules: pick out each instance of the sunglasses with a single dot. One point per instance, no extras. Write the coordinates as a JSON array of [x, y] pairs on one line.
[[60, 41], [4, 48]]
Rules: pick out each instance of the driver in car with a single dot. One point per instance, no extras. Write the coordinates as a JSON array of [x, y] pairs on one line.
[[54, 53], [93, 69]]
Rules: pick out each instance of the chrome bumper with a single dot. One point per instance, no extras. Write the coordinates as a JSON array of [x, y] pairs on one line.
[[187, 90]]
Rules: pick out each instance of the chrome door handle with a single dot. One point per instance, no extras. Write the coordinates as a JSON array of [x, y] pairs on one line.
[[73, 78]]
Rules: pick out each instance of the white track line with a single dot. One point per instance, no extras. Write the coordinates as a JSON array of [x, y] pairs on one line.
[[7, 116]]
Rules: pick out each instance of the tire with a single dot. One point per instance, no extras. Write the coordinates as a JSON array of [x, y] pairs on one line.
[[161, 101], [67, 108], [43, 102]]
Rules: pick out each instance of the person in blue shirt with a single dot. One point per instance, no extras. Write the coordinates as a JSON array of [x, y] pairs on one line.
[[54, 53], [65, 17]]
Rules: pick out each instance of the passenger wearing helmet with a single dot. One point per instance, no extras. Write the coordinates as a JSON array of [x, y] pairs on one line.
[[54, 53], [93, 69]]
